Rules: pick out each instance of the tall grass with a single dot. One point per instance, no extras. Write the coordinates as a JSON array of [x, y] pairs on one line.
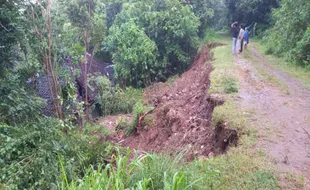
[[143, 172], [240, 169]]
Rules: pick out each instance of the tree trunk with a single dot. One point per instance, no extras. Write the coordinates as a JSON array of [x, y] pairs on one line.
[[47, 54], [55, 83]]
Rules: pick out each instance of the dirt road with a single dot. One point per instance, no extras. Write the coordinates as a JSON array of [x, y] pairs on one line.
[[282, 116]]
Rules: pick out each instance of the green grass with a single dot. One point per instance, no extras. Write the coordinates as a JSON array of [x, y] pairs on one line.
[[210, 36], [223, 78], [238, 169], [291, 69]]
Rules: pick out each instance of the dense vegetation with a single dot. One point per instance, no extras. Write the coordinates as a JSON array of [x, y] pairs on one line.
[[147, 41], [289, 36]]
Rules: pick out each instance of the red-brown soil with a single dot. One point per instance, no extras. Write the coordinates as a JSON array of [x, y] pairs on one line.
[[181, 121]]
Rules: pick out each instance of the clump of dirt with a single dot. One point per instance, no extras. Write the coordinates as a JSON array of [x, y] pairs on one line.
[[183, 114]]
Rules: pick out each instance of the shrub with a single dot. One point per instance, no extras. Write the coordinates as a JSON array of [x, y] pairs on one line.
[[130, 126], [16, 103], [30, 153], [114, 100], [302, 50]]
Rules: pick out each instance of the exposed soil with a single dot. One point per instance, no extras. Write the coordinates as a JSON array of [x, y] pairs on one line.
[[282, 118], [181, 121]]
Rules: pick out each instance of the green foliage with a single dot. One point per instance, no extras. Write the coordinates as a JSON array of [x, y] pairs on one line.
[[10, 35], [133, 54], [80, 12], [140, 108], [302, 51], [105, 177], [122, 124], [16, 103], [114, 100], [210, 36], [112, 10], [130, 126], [169, 25], [29, 154], [230, 85], [212, 14], [89, 26], [128, 176], [289, 35], [233, 171], [248, 11]]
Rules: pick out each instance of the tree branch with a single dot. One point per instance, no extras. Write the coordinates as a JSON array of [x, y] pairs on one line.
[[4, 27]]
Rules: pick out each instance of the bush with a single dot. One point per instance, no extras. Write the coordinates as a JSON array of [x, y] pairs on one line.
[[114, 100], [210, 36], [302, 50], [30, 154], [130, 127], [16, 103]]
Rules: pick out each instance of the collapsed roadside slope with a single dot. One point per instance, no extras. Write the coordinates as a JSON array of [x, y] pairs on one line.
[[182, 118]]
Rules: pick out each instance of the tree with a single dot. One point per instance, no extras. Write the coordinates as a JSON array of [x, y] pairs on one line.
[[204, 10], [10, 35], [173, 27], [42, 26], [289, 34], [134, 54], [87, 16], [249, 11]]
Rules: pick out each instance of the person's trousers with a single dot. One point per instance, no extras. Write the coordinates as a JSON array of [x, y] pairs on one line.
[[241, 45], [234, 44]]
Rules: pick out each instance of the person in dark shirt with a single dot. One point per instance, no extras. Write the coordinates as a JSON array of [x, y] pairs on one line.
[[235, 33]]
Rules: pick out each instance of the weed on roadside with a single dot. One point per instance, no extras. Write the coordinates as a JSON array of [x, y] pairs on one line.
[[230, 85]]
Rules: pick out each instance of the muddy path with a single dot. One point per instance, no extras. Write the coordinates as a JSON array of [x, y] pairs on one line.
[[282, 117]]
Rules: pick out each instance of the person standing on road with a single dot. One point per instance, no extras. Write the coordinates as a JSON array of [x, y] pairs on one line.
[[246, 37], [241, 39], [235, 32]]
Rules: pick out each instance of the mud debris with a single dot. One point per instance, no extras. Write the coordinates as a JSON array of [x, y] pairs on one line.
[[182, 116]]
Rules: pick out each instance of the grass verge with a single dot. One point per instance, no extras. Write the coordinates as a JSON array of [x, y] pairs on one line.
[[150, 171]]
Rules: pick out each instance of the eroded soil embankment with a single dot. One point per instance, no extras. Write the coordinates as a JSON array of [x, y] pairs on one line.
[[182, 118]]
